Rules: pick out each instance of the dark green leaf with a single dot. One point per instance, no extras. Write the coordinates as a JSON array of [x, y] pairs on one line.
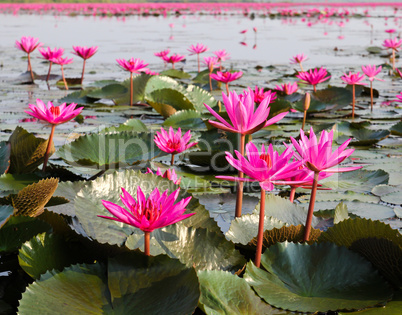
[[6, 212], [176, 74], [5, 151]]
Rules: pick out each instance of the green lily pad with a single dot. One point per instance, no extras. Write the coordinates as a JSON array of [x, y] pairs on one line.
[[225, 293], [242, 230], [339, 196], [14, 183], [194, 247], [111, 91], [47, 252], [27, 151], [393, 198], [167, 101], [176, 74], [6, 211], [127, 285], [332, 98], [19, 229], [381, 190], [5, 151], [134, 125], [67, 190], [110, 150], [316, 278], [189, 119], [79, 97], [279, 106], [397, 129], [359, 181], [369, 137], [375, 50], [199, 96]]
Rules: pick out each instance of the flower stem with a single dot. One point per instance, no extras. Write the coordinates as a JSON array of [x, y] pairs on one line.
[[147, 241], [315, 88], [257, 260], [301, 67], [64, 79], [172, 160], [131, 89], [30, 67], [239, 196], [304, 119], [198, 60], [210, 82], [307, 228], [227, 89], [393, 59], [371, 94], [172, 65], [49, 145], [48, 73], [353, 101], [83, 70], [292, 194]]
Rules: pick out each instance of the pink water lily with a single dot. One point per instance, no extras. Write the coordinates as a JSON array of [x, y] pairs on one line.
[[314, 77], [258, 94], [353, 79], [28, 44], [371, 73], [133, 66], [210, 62], [298, 59], [226, 77], [222, 55], [393, 44], [62, 61], [162, 53], [197, 50], [317, 156], [269, 169], [49, 55], [85, 53], [175, 58], [173, 143], [54, 115], [244, 118], [287, 88], [399, 98], [148, 214], [169, 174]]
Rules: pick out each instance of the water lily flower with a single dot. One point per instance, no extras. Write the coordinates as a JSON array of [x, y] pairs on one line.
[[393, 44], [287, 88], [317, 156], [172, 142], [353, 79], [54, 115], [371, 72], [173, 59], [298, 59], [169, 174], [314, 77], [397, 71], [85, 53], [197, 50], [148, 214], [210, 62], [226, 77], [259, 95], [28, 44], [244, 119], [62, 61], [399, 98], [133, 66], [390, 31], [49, 54], [269, 169], [222, 55]]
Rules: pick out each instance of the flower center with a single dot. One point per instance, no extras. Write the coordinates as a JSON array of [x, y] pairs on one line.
[[267, 159], [55, 111], [174, 144]]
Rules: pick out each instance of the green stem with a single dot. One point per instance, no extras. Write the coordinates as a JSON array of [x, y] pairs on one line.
[[257, 260], [307, 228], [49, 145], [239, 196]]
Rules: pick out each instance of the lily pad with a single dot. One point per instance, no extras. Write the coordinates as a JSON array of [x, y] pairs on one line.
[[167, 101], [111, 91], [316, 278], [225, 293], [6, 211], [176, 74], [5, 151], [393, 198], [369, 137], [397, 129], [189, 119], [110, 150], [135, 125]]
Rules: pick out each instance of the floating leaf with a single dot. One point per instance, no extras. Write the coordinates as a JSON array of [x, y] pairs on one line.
[[393, 198], [244, 229], [374, 50], [176, 74], [5, 151], [359, 181], [135, 125], [111, 91], [279, 106], [197, 247], [6, 212], [27, 151], [167, 101], [316, 278], [199, 96], [397, 129], [332, 98], [31, 200], [190, 119], [291, 233], [9, 182], [110, 150], [369, 137], [225, 293], [47, 252], [381, 190], [341, 213], [68, 190], [79, 97], [19, 229]]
